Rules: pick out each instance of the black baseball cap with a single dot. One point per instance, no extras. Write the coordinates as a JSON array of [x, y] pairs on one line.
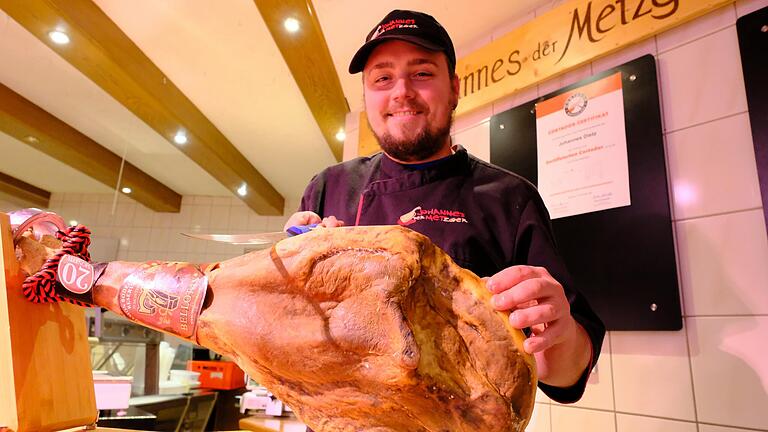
[[409, 26]]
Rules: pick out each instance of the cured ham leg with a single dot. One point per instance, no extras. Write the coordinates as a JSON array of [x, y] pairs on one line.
[[356, 329]]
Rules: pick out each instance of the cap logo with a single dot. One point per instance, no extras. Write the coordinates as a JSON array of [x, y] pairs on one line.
[[394, 24]]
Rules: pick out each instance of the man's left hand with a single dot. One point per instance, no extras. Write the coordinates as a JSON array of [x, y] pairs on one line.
[[537, 301], [560, 344]]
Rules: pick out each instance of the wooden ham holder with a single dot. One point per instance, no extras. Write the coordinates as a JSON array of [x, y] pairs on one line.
[[46, 382]]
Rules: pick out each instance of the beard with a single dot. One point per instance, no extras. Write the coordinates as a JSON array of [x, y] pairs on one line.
[[424, 145]]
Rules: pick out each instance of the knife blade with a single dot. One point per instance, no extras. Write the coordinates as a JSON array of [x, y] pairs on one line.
[[255, 238]]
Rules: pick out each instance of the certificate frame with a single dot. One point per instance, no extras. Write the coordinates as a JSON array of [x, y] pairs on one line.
[[753, 41], [623, 259]]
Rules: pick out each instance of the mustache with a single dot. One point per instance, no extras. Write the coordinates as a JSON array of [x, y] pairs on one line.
[[406, 107]]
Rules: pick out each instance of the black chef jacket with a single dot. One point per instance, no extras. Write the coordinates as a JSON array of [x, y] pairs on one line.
[[484, 217]]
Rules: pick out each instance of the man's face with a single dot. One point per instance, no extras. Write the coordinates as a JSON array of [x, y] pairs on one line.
[[409, 99]]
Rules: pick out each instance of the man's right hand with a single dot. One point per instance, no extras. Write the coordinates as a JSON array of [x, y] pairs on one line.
[[308, 218]]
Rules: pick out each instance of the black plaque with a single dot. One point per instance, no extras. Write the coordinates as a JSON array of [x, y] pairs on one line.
[[753, 42], [622, 259]]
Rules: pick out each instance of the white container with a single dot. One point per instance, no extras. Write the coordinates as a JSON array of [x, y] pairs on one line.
[[185, 376], [252, 401], [172, 387], [112, 392]]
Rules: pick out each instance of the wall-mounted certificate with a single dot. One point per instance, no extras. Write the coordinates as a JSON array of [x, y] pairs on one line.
[[582, 149]]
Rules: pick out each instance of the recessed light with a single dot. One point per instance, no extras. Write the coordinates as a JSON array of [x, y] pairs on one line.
[[340, 135], [31, 139], [292, 25], [242, 190], [126, 190], [180, 137], [59, 37]]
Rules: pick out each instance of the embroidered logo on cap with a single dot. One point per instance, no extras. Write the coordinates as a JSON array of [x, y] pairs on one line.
[[394, 24]]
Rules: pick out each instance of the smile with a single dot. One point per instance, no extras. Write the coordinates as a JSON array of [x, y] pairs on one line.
[[404, 113]]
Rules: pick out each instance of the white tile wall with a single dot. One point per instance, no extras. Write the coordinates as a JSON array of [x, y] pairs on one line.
[[569, 419], [515, 99], [639, 49], [714, 428], [688, 32], [599, 393], [634, 423], [144, 234], [541, 397], [744, 7], [713, 375], [351, 128], [644, 363], [722, 259], [471, 119], [730, 371], [540, 420], [565, 79], [474, 139], [712, 168], [702, 80]]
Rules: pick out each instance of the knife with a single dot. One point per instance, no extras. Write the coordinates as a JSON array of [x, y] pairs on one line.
[[257, 238]]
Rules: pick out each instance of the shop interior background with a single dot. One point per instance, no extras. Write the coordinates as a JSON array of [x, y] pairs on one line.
[[709, 377]]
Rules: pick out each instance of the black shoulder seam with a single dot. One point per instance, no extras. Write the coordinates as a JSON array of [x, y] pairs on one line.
[[502, 171]]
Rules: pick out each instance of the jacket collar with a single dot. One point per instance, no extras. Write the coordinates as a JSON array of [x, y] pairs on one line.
[[395, 177], [393, 169]]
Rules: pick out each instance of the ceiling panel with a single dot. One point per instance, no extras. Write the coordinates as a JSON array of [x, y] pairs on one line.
[[38, 169], [223, 58], [225, 61], [39, 74]]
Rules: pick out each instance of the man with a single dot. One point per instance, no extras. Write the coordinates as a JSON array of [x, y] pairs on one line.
[[488, 220]]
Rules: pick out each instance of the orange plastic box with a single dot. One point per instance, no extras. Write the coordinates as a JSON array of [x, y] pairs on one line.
[[220, 375]]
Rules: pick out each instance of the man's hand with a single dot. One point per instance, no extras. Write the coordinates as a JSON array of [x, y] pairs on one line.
[[308, 218], [536, 300], [561, 346]]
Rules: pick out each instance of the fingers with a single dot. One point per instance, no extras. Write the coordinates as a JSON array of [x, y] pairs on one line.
[[308, 218], [302, 218], [543, 313], [552, 334], [537, 301], [331, 222], [512, 276], [523, 293]]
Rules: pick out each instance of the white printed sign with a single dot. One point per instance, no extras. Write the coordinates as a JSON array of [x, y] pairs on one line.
[[582, 149]]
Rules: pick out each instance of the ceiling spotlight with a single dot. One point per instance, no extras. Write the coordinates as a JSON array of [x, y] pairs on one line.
[[31, 139], [72, 222], [292, 25], [59, 37], [340, 135], [126, 190], [242, 190], [180, 137]]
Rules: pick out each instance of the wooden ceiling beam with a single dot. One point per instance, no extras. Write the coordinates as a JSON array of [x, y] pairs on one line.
[[103, 53], [309, 60], [24, 192], [39, 129]]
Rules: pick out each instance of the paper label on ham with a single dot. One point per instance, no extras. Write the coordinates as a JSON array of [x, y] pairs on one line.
[[165, 296], [75, 274]]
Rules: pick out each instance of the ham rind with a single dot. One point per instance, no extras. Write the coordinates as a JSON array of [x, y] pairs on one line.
[[356, 329]]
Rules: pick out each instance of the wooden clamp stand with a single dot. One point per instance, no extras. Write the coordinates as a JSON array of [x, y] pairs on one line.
[[46, 382]]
